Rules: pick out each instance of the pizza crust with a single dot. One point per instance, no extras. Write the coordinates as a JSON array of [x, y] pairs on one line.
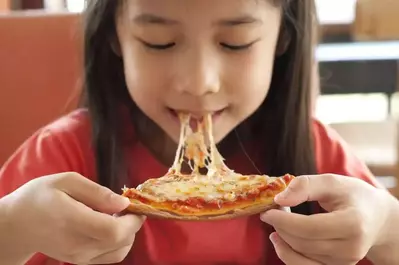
[[139, 208]]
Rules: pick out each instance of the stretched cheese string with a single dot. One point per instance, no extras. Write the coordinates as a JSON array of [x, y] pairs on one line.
[[179, 156], [193, 147], [217, 164]]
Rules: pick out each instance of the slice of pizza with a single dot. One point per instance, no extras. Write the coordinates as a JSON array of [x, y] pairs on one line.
[[210, 190], [185, 197]]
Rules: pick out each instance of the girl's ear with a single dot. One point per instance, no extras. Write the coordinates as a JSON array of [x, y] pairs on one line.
[[283, 42]]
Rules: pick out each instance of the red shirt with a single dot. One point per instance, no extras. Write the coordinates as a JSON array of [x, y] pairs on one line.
[[64, 145]]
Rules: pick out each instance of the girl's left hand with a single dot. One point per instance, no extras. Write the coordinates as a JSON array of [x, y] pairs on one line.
[[355, 221]]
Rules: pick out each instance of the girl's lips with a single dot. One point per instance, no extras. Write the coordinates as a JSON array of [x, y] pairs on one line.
[[195, 116]]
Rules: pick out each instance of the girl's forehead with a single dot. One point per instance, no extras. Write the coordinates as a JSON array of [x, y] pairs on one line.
[[190, 9]]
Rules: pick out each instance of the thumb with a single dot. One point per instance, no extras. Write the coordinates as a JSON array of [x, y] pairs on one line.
[[91, 194], [318, 188]]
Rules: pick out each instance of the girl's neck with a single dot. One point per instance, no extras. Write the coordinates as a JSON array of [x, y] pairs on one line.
[[163, 148]]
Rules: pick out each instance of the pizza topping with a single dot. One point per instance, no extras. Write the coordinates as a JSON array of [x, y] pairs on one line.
[[188, 188], [198, 205]]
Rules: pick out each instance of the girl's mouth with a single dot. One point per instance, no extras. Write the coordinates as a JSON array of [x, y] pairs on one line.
[[195, 116]]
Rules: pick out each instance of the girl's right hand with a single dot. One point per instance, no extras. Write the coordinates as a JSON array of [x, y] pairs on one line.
[[71, 219]]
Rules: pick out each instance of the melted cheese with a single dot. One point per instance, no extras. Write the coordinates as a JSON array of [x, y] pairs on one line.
[[198, 149], [204, 187]]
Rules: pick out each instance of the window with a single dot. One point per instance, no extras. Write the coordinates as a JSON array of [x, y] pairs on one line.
[[75, 5], [352, 108], [336, 11]]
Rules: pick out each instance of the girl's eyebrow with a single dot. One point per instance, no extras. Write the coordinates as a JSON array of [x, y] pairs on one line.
[[241, 20], [148, 19]]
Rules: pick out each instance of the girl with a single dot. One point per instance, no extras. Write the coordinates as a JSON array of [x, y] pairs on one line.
[[246, 62]]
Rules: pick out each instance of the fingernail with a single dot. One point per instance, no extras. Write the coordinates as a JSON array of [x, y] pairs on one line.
[[115, 197], [118, 198], [281, 195], [263, 217], [273, 238]]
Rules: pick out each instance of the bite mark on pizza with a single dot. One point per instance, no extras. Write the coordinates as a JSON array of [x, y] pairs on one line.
[[219, 193]]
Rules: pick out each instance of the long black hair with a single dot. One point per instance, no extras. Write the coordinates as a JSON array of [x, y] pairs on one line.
[[283, 119]]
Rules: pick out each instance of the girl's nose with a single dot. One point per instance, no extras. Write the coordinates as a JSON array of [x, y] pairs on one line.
[[199, 75]]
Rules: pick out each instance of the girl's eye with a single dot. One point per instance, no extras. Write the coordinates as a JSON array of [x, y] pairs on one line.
[[159, 46], [236, 47]]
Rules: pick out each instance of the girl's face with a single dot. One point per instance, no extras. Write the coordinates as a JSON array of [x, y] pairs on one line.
[[198, 56]]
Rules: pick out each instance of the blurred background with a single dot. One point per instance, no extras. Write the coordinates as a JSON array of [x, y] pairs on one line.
[[356, 74]]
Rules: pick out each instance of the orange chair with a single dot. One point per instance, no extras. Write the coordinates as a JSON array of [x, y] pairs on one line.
[[40, 73]]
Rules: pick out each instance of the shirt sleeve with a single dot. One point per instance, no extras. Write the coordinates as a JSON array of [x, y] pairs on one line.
[[58, 147], [334, 155]]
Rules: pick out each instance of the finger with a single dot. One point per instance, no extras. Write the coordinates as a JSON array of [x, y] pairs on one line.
[[314, 247], [120, 231], [130, 223], [326, 251], [114, 247], [335, 225], [332, 260], [312, 188], [91, 194], [325, 260], [115, 256], [287, 254], [101, 226]]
